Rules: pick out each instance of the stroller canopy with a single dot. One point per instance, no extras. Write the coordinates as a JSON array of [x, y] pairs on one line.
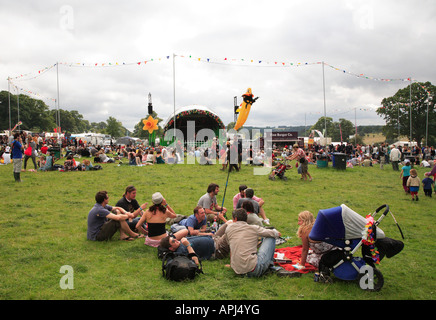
[[339, 223]]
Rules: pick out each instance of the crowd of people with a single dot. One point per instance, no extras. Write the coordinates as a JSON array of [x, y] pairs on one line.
[[48, 154]]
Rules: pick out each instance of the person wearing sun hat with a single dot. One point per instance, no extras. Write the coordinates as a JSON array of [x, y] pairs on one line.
[[155, 217]]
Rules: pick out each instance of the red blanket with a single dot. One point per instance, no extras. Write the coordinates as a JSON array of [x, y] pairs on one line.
[[294, 254]]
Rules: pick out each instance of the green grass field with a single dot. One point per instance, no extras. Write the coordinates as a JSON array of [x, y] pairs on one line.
[[44, 221]]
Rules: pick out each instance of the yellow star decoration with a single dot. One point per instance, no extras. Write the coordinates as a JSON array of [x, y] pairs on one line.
[[150, 124]]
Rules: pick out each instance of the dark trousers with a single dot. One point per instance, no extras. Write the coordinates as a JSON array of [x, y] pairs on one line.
[[108, 230], [27, 158]]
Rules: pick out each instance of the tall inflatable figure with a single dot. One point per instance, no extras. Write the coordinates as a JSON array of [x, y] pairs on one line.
[[244, 108]]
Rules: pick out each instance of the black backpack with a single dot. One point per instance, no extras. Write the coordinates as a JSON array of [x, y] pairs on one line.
[[180, 267]]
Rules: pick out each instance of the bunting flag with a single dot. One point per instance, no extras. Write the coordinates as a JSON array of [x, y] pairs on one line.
[[112, 64], [32, 75], [426, 90], [361, 75], [32, 93]]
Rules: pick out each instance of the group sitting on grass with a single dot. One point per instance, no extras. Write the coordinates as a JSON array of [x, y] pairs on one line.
[[237, 238]]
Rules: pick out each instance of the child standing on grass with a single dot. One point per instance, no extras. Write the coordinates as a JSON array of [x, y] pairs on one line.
[[413, 183], [427, 184], [405, 174]]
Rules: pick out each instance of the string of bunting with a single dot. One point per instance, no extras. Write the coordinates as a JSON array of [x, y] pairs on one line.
[[234, 61], [223, 61], [252, 62], [112, 64], [257, 62], [361, 75], [339, 111], [31, 92], [33, 75]]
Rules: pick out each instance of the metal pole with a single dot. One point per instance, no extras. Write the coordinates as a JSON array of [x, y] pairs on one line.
[[305, 124], [9, 98], [174, 93], [410, 108], [323, 87], [398, 120], [56, 112], [18, 111], [426, 127], [355, 126], [57, 80]]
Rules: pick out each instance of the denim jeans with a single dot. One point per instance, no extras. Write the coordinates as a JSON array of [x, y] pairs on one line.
[[265, 257]]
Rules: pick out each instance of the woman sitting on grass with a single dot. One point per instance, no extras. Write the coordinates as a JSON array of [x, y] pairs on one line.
[[87, 165], [159, 158], [149, 160], [70, 164], [132, 158], [317, 249], [47, 165], [155, 217]]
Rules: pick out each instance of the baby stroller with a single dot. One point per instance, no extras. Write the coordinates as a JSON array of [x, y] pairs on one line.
[[279, 172], [348, 231]]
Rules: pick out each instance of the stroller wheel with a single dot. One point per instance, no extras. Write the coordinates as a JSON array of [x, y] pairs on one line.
[[284, 178], [325, 278], [377, 281]]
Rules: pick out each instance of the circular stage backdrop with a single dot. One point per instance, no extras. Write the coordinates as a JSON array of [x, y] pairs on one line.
[[203, 117]]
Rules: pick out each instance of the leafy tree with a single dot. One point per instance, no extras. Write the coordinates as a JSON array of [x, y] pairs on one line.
[[99, 127], [322, 123], [114, 127], [334, 129], [34, 114], [398, 112]]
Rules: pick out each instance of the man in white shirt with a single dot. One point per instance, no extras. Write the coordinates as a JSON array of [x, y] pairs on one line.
[[395, 158]]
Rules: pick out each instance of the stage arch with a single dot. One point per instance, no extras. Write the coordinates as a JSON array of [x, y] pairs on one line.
[[203, 117]]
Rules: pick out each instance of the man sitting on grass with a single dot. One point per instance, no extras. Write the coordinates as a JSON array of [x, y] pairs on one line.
[[247, 194], [209, 203], [105, 220], [245, 258], [129, 203], [205, 247], [195, 223]]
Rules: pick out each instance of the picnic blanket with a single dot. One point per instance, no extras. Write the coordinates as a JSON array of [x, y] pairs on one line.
[[293, 255]]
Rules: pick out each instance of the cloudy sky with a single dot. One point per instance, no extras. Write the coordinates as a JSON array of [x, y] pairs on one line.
[[370, 49]]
